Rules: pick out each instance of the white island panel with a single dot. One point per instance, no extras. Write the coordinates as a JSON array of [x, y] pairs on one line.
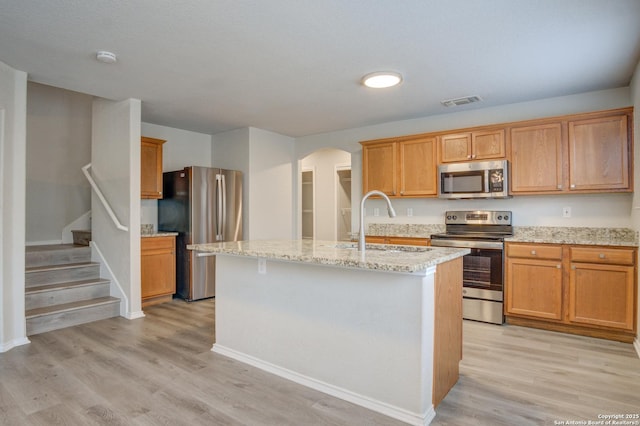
[[362, 335]]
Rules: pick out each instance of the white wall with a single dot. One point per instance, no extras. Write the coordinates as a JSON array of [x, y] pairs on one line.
[[265, 159], [270, 193], [58, 146], [324, 162], [182, 148], [13, 112], [587, 210], [116, 168]]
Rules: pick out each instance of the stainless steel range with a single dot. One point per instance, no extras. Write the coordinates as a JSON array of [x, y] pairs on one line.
[[483, 269]]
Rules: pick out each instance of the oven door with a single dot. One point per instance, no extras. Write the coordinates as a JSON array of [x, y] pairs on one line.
[[482, 273]]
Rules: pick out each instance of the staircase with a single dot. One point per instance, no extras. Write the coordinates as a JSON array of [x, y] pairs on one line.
[[63, 288]]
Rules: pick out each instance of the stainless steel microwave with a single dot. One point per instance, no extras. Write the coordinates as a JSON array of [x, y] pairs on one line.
[[477, 179]]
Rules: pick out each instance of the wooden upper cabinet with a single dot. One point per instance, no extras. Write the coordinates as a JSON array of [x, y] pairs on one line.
[[402, 167], [536, 158], [379, 167], [579, 153], [418, 171], [151, 168], [477, 145], [599, 153], [455, 147]]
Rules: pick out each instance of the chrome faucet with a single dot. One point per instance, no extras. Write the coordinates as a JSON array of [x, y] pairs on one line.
[[392, 213]]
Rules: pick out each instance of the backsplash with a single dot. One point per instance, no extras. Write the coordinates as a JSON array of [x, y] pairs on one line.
[[146, 228]]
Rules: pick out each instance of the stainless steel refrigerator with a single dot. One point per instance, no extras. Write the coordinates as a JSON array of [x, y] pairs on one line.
[[204, 205]]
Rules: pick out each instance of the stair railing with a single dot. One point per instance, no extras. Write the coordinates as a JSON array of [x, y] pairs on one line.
[[104, 201]]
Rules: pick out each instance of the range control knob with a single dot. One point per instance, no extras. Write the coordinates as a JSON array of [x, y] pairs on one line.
[[499, 217], [506, 217]]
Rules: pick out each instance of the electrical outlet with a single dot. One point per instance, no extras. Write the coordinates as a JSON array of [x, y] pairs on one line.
[[409, 211], [566, 212], [262, 265], [376, 211]]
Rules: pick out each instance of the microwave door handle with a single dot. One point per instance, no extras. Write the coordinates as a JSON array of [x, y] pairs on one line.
[[487, 188]]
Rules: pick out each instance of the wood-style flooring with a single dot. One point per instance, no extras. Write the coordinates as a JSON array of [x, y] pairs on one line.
[[159, 370]]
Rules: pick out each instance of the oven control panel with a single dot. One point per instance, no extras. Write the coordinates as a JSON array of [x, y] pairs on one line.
[[478, 217]]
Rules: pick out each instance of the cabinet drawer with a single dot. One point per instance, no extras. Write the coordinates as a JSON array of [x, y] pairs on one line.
[[157, 243], [535, 251], [602, 255]]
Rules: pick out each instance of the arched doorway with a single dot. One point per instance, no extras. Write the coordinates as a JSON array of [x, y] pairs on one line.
[[325, 212]]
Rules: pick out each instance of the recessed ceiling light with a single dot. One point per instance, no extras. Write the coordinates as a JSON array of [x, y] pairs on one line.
[[106, 57], [382, 79]]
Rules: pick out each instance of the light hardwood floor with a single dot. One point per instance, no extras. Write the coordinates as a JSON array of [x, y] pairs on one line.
[[159, 370]]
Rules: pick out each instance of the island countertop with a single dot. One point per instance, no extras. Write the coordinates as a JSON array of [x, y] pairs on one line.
[[380, 257]]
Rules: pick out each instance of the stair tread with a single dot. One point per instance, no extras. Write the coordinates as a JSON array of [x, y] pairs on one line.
[[53, 247], [59, 267], [37, 312], [64, 285]]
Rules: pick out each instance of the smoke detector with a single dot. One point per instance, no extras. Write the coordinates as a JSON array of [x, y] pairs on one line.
[[106, 57], [461, 101]]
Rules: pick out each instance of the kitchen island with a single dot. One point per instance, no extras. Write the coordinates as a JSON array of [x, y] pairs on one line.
[[381, 329]]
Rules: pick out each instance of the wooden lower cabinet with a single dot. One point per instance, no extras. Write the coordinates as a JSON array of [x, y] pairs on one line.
[[536, 289], [158, 268], [399, 241], [602, 295], [586, 290]]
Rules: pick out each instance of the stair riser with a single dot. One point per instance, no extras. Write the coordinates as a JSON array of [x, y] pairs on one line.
[[57, 321], [66, 295], [84, 272], [58, 257]]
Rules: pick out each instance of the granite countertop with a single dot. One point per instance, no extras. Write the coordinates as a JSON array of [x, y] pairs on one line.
[[575, 235], [159, 234], [333, 253], [524, 234]]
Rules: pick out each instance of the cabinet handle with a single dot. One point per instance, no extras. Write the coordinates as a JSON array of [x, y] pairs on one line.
[[473, 156], [469, 157], [559, 186], [533, 252], [601, 256], [559, 266], [401, 192], [573, 267], [573, 185]]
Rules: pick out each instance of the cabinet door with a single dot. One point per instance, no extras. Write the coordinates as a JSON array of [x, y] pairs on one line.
[[602, 295], [418, 170], [488, 145], [599, 154], [158, 266], [534, 288], [455, 147], [536, 158], [379, 166], [151, 168]]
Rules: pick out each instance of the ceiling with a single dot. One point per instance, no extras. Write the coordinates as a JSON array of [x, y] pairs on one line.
[[294, 66]]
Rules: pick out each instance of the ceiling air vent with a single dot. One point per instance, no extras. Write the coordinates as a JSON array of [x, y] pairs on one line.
[[461, 101]]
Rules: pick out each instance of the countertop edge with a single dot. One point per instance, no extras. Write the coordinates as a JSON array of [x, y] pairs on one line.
[[374, 260]]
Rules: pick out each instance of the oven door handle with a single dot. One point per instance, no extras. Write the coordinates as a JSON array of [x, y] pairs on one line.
[[497, 245]]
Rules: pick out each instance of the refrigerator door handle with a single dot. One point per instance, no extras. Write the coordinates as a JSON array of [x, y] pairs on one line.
[[224, 208], [219, 207]]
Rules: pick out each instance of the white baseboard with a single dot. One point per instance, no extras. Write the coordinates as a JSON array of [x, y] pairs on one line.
[[134, 315], [4, 347], [364, 401], [636, 345]]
